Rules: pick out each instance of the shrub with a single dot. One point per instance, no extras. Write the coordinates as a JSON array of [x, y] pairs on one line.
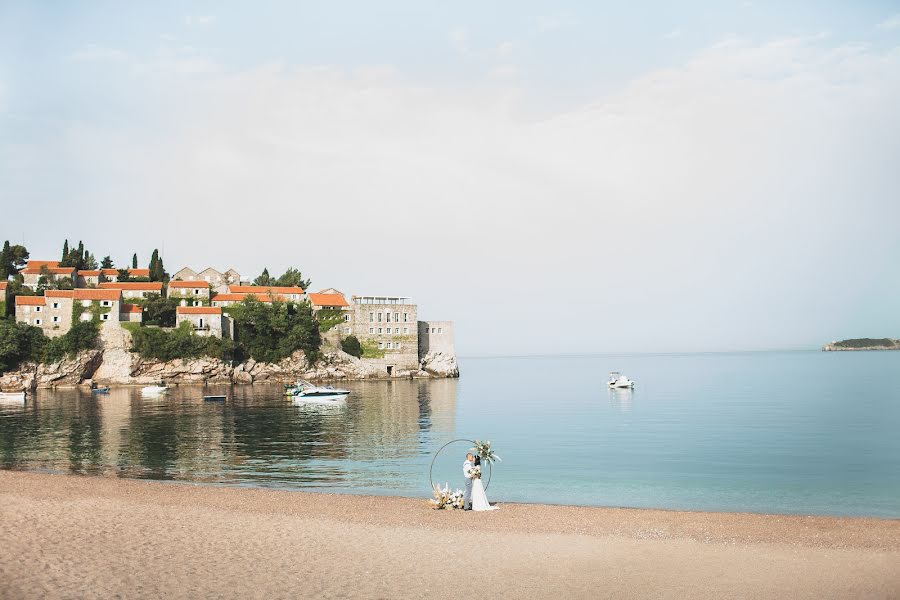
[[272, 331], [350, 345], [19, 343], [82, 336], [181, 342]]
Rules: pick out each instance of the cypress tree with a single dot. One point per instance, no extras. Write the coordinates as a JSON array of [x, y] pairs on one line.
[[5, 262], [65, 254], [134, 261], [106, 263]]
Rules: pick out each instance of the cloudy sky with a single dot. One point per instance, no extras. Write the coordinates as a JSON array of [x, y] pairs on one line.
[[554, 177]]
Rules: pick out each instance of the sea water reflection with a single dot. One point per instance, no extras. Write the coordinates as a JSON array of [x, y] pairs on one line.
[[373, 443]]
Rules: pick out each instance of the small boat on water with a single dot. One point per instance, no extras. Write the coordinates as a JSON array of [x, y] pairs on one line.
[[12, 397], [214, 398], [100, 390], [154, 390], [305, 391], [619, 381]]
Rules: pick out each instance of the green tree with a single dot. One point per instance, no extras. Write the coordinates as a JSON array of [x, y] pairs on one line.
[[264, 278], [272, 331], [106, 263], [134, 262], [83, 335], [90, 262], [292, 278], [350, 345], [157, 270], [123, 275], [12, 260], [19, 343], [65, 255], [159, 311], [182, 342]]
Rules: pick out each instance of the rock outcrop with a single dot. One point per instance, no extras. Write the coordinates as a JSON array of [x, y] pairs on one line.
[[114, 364], [862, 344]]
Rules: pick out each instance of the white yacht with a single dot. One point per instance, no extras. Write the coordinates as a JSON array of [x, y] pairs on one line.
[[305, 391], [12, 397], [617, 380]]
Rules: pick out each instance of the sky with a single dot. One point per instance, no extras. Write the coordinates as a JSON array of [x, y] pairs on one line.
[[553, 177]]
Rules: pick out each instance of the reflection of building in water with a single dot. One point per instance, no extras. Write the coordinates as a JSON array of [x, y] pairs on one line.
[[392, 414], [115, 412]]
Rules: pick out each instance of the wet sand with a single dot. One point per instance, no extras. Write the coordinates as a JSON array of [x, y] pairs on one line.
[[65, 536]]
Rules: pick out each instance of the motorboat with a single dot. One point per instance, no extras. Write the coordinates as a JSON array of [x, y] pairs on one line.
[[12, 397], [305, 391], [619, 381], [154, 390], [100, 390], [218, 398]]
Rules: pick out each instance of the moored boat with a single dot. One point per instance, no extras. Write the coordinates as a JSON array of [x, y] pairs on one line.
[[619, 381], [154, 390], [12, 397], [305, 391]]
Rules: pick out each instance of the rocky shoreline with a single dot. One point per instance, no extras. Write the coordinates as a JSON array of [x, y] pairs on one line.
[[113, 364], [862, 344]]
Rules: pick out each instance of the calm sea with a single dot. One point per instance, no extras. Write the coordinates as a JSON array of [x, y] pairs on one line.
[[781, 432]]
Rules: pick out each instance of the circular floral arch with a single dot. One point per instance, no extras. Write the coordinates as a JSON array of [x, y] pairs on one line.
[[436, 454]]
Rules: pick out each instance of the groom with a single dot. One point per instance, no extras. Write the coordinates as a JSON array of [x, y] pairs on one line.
[[467, 468]]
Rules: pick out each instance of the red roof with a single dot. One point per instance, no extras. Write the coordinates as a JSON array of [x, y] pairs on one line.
[[51, 270], [188, 284], [240, 297], [89, 272], [139, 272], [130, 308], [60, 293], [3, 285], [198, 310], [146, 286], [328, 300], [86, 294], [30, 301], [107, 272], [37, 264], [263, 289]]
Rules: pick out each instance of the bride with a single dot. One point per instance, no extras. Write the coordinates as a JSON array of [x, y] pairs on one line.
[[479, 497]]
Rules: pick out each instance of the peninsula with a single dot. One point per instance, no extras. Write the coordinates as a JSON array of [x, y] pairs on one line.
[[863, 344], [73, 321]]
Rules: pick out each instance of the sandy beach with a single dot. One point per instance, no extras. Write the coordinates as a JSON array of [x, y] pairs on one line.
[[67, 536]]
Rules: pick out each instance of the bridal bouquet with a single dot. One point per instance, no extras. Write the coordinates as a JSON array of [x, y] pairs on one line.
[[475, 472], [483, 449], [444, 499]]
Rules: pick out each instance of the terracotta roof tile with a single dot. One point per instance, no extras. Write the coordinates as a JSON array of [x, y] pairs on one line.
[[130, 308], [3, 285], [263, 289], [109, 272], [37, 264], [328, 300], [89, 272], [147, 286], [239, 297], [87, 294], [60, 293], [30, 301], [51, 270], [198, 310]]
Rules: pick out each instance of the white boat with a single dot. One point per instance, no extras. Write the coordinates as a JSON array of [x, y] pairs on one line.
[[12, 397], [305, 391], [619, 381], [154, 390]]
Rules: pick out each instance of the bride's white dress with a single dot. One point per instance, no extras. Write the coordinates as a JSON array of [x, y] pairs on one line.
[[479, 498]]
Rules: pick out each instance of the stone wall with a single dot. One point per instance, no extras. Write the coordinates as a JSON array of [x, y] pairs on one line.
[[371, 323], [436, 337]]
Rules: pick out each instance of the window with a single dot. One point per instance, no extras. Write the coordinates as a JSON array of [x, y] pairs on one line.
[[346, 318], [379, 317], [371, 330], [371, 317], [37, 309], [432, 330], [56, 319], [104, 317], [396, 317], [56, 305], [196, 292], [104, 303], [379, 330], [37, 321], [405, 317], [381, 345], [440, 330], [396, 345], [387, 317], [405, 330]]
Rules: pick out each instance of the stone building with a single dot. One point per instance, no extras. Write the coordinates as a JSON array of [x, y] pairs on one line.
[[4, 297], [217, 280], [285, 294], [436, 337], [53, 312], [89, 278], [193, 292], [206, 320], [387, 325], [35, 269], [134, 289]]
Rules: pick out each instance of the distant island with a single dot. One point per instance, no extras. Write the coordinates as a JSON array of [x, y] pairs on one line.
[[863, 344]]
